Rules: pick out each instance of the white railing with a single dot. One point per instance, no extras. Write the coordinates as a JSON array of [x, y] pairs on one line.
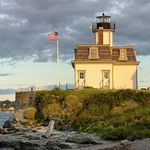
[[66, 86]]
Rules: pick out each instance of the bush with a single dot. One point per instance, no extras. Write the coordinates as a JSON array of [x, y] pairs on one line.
[[126, 105], [72, 104], [117, 133], [84, 120], [53, 111], [113, 114], [143, 97], [30, 113]]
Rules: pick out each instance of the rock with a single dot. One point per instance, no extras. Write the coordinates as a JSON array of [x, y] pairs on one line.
[[45, 123], [125, 142], [8, 148], [52, 146], [19, 116], [11, 109], [57, 141], [80, 140], [19, 142], [64, 145], [32, 137], [8, 124], [29, 145], [8, 144], [3, 131], [59, 145], [84, 139]]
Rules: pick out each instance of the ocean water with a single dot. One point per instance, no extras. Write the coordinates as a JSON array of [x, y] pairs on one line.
[[4, 116]]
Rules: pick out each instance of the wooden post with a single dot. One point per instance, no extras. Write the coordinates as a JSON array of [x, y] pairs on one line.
[[50, 129]]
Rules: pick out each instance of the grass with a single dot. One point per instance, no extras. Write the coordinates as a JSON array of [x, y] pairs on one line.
[[112, 114], [131, 125]]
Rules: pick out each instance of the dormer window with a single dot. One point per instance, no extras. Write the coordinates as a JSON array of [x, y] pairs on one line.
[[93, 53], [123, 54]]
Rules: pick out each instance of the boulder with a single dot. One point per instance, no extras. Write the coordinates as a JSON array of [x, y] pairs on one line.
[[64, 145], [2, 131], [57, 141], [83, 138], [8, 124], [125, 142], [9, 144], [19, 116], [29, 145]]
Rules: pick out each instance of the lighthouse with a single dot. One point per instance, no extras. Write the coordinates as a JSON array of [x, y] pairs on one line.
[[103, 65], [103, 30]]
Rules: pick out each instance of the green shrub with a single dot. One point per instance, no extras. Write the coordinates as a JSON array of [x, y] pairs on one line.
[[72, 104], [117, 133], [113, 114], [53, 111], [30, 113], [84, 120], [143, 97], [124, 106]]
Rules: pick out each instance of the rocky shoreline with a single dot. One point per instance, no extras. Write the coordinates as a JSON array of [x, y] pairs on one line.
[[20, 137], [27, 135], [27, 138]]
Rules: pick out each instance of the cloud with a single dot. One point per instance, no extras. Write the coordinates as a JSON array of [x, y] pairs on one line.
[[24, 25], [5, 74]]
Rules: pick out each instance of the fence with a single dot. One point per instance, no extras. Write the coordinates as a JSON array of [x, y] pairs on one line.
[[67, 86]]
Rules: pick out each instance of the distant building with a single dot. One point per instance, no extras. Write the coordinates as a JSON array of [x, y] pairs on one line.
[[103, 65]]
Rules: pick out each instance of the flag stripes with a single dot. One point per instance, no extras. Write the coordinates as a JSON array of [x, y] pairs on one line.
[[53, 36]]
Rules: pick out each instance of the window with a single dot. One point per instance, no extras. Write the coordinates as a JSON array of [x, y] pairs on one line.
[[123, 54], [93, 53], [105, 79], [81, 78], [106, 74], [81, 74]]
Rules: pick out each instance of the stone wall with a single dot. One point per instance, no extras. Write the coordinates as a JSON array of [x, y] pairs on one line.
[[24, 99]]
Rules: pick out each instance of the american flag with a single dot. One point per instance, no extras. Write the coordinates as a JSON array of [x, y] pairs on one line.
[[53, 36]]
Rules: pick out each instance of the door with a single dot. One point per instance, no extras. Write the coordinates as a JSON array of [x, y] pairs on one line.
[[81, 78], [105, 79]]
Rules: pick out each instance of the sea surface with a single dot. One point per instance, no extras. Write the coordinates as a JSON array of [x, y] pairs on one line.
[[4, 116]]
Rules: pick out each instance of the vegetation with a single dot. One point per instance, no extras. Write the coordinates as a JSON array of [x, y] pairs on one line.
[[112, 114], [7, 104], [29, 113]]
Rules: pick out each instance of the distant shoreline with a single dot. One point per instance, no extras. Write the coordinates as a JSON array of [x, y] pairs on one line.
[[10, 97]]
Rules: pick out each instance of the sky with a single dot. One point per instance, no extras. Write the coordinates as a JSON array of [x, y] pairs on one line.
[[27, 57]]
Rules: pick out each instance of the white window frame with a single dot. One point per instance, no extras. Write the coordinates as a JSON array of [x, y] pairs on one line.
[[106, 75], [123, 54], [95, 56], [81, 74]]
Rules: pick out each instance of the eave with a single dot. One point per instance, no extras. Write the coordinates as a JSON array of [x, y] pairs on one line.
[[73, 62]]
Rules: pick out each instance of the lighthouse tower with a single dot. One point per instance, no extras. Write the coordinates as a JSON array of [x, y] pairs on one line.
[[103, 30]]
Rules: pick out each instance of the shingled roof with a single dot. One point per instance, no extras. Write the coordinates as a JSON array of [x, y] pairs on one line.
[[105, 53]]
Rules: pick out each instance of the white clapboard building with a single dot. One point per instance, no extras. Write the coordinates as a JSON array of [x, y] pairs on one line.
[[103, 65]]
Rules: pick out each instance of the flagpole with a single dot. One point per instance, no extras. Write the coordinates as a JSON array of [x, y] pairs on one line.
[[58, 65]]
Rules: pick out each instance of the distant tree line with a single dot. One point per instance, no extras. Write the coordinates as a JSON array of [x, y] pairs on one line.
[[7, 104]]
